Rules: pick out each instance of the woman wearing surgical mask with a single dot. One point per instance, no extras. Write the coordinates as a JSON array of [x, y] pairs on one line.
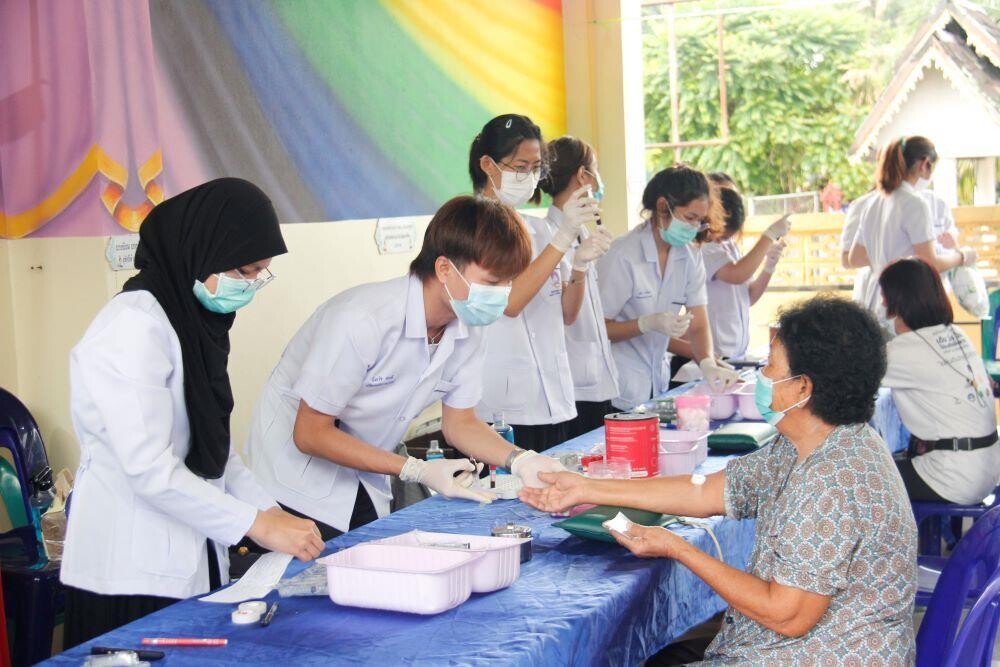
[[651, 275], [732, 287], [372, 358], [898, 222], [528, 377], [573, 165], [160, 490]]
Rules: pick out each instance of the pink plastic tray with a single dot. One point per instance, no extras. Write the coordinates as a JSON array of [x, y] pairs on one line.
[[498, 568], [723, 405], [400, 578], [747, 405], [682, 451]]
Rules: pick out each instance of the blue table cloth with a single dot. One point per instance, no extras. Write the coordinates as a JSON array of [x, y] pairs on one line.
[[576, 602]]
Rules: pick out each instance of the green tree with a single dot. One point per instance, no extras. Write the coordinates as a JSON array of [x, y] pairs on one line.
[[799, 84]]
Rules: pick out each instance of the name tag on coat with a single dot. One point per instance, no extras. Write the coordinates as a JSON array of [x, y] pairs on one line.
[[380, 380], [642, 293]]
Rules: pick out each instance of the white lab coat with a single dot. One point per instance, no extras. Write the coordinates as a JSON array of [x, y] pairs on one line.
[[852, 221], [362, 357], [890, 226], [631, 285], [139, 518], [595, 376], [527, 375], [728, 304]]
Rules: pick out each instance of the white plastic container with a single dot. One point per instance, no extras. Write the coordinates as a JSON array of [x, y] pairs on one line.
[[723, 405], [400, 578], [499, 566], [747, 404], [682, 451]]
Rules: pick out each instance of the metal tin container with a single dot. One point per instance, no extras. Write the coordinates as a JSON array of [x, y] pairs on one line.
[[634, 438], [516, 530]]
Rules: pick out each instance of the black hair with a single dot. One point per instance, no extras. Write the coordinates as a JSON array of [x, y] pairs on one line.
[[565, 156], [680, 185], [498, 139], [913, 291], [732, 204], [722, 179], [840, 347]]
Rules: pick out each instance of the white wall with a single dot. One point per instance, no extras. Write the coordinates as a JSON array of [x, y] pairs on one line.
[[958, 124], [43, 312]]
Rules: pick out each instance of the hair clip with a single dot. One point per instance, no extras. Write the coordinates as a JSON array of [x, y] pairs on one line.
[[509, 121]]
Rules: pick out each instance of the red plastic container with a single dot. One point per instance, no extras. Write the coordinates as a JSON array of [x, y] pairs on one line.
[[634, 438]]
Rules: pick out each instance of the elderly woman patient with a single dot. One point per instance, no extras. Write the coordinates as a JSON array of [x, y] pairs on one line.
[[832, 576]]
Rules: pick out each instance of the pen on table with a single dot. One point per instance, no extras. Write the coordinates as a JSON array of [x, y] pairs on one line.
[[183, 641], [146, 656], [269, 616]]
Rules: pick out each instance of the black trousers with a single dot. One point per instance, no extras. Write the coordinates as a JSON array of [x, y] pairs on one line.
[[916, 487], [539, 437], [90, 615], [589, 415], [676, 362]]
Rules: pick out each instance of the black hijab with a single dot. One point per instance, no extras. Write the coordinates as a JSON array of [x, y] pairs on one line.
[[213, 228]]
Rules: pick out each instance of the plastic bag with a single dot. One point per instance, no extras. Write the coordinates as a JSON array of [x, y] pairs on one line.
[[970, 290]]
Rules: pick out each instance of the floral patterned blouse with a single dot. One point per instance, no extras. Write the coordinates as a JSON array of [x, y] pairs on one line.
[[838, 523]]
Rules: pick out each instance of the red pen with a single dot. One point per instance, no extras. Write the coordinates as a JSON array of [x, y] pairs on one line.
[[182, 641]]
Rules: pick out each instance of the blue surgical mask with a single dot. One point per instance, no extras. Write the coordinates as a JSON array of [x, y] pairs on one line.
[[484, 305], [678, 233], [599, 192], [764, 396], [231, 294]]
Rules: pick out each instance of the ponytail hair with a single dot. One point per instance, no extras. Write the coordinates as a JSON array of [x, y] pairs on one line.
[[899, 157], [565, 156], [680, 185], [499, 139]]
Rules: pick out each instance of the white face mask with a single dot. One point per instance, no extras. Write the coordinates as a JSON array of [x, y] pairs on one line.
[[515, 189], [921, 184]]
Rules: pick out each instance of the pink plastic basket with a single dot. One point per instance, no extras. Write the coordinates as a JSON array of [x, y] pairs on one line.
[[498, 568], [747, 404], [400, 578], [682, 451]]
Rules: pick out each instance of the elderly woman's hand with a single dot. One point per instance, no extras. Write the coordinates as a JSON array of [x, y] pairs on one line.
[[650, 541]]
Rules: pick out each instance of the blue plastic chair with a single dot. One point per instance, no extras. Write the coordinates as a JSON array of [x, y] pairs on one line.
[[974, 645], [33, 595], [976, 558], [929, 531], [989, 329]]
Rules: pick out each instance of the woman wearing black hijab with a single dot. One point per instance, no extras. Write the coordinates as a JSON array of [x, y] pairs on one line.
[[160, 492]]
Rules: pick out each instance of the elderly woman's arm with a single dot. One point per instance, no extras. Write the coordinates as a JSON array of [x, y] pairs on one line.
[[787, 610]]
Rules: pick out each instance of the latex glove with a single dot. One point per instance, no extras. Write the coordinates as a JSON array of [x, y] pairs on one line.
[[719, 379], [578, 210], [440, 476], [778, 228], [773, 255], [722, 363], [669, 324], [593, 247], [969, 256], [528, 464]]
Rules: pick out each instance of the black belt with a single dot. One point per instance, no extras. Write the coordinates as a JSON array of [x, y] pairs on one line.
[[918, 446]]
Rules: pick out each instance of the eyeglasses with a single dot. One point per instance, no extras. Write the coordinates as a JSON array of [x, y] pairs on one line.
[[264, 277], [522, 173]]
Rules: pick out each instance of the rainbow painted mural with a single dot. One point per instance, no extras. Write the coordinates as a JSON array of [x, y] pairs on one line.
[[345, 109]]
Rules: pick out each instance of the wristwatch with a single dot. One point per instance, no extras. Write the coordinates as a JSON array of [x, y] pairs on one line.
[[517, 451]]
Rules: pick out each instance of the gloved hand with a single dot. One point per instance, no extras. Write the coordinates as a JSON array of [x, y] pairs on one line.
[[528, 464], [778, 228], [719, 379], [440, 476], [969, 256], [773, 255], [669, 324], [578, 210], [722, 363], [593, 247]]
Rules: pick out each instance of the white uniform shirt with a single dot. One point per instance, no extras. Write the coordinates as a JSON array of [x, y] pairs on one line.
[[631, 285], [728, 304], [527, 375], [928, 372], [595, 377], [140, 518], [852, 220], [941, 216], [362, 357], [891, 225]]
